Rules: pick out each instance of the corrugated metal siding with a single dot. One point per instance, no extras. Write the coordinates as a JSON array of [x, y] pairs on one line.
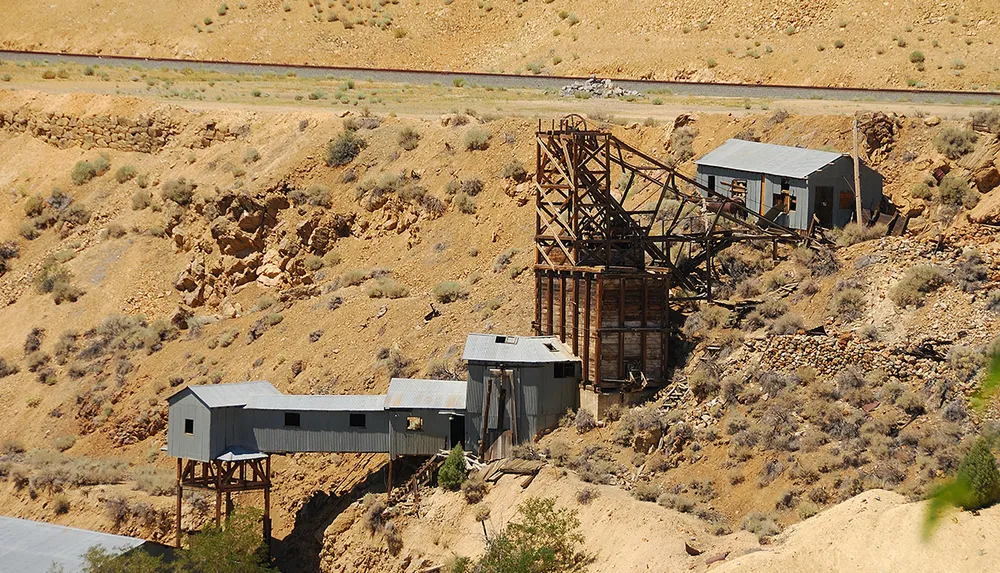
[[236, 394], [483, 348], [179, 444], [724, 179], [319, 432], [474, 406], [781, 160], [426, 394], [434, 436]]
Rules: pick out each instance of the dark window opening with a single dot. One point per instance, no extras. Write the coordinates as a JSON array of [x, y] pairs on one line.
[[189, 426], [738, 189], [292, 419], [783, 201], [357, 420], [786, 185], [711, 182], [564, 370], [414, 424]]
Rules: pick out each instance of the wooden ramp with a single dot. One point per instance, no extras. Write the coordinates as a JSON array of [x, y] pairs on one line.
[[513, 466]]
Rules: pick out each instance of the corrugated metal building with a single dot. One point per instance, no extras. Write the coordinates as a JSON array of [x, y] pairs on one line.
[[524, 383], [789, 184], [36, 547], [205, 421], [425, 416], [288, 423]]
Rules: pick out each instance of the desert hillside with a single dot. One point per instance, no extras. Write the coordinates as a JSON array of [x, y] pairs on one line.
[[895, 44], [148, 246]]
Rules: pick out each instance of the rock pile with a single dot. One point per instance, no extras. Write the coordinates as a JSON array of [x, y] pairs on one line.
[[594, 87], [143, 134]]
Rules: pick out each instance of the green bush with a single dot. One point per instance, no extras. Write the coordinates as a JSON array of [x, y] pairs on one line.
[[449, 291], [141, 199], [979, 477], [990, 118], [476, 139], [453, 471], [251, 155], [542, 539], [125, 173], [915, 284], [956, 192], [178, 190], [916, 57], [921, 191], [83, 172], [344, 149], [955, 142]]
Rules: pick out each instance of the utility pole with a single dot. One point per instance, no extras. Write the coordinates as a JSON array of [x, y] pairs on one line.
[[857, 174]]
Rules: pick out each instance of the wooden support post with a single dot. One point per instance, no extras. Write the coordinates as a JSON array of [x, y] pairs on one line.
[[486, 415], [267, 503], [857, 175], [180, 492], [229, 505], [390, 476]]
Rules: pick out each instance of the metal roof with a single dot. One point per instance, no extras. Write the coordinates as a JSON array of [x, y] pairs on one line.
[[239, 454], [229, 395], [33, 546], [426, 394], [493, 348], [766, 158], [325, 403]]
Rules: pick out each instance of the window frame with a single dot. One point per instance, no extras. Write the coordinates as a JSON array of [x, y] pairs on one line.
[[188, 426], [414, 424]]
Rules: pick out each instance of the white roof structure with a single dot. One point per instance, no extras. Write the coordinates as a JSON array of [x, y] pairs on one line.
[[231, 395], [495, 349], [780, 160], [319, 403], [409, 393], [36, 547]]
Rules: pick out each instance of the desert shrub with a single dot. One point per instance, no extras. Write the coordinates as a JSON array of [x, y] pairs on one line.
[[761, 525], [584, 421], [408, 138], [453, 471], [55, 278], [854, 233], [344, 149], [251, 155], [921, 191], [789, 323], [273, 318], [154, 480], [682, 144], [636, 420], [179, 190], [60, 504], [449, 291], [645, 491], [587, 495], [471, 187], [954, 142], [911, 403], [989, 117], [847, 304], [956, 192], [820, 262], [353, 277], [465, 204], [503, 260], [514, 171], [917, 281], [709, 317], [474, 490], [373, 507], [125, 173], [772, 308], [704, 382], [679, 502], [970, 272], [141, 199], [63, 443], [84, 171], [476, 139], [387, 287]]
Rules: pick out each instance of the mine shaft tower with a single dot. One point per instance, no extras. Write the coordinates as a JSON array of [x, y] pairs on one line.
[[621, 236]]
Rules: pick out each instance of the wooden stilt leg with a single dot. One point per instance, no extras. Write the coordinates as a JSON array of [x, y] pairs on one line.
[[180, 491], [267, 504], [229, 505]]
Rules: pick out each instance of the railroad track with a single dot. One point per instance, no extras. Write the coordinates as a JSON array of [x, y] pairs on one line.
[[391, 75]]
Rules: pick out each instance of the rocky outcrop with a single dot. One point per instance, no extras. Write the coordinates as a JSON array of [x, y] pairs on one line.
[[143, 133]]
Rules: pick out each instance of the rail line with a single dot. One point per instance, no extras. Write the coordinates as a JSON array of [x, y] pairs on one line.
[[397, 75]]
